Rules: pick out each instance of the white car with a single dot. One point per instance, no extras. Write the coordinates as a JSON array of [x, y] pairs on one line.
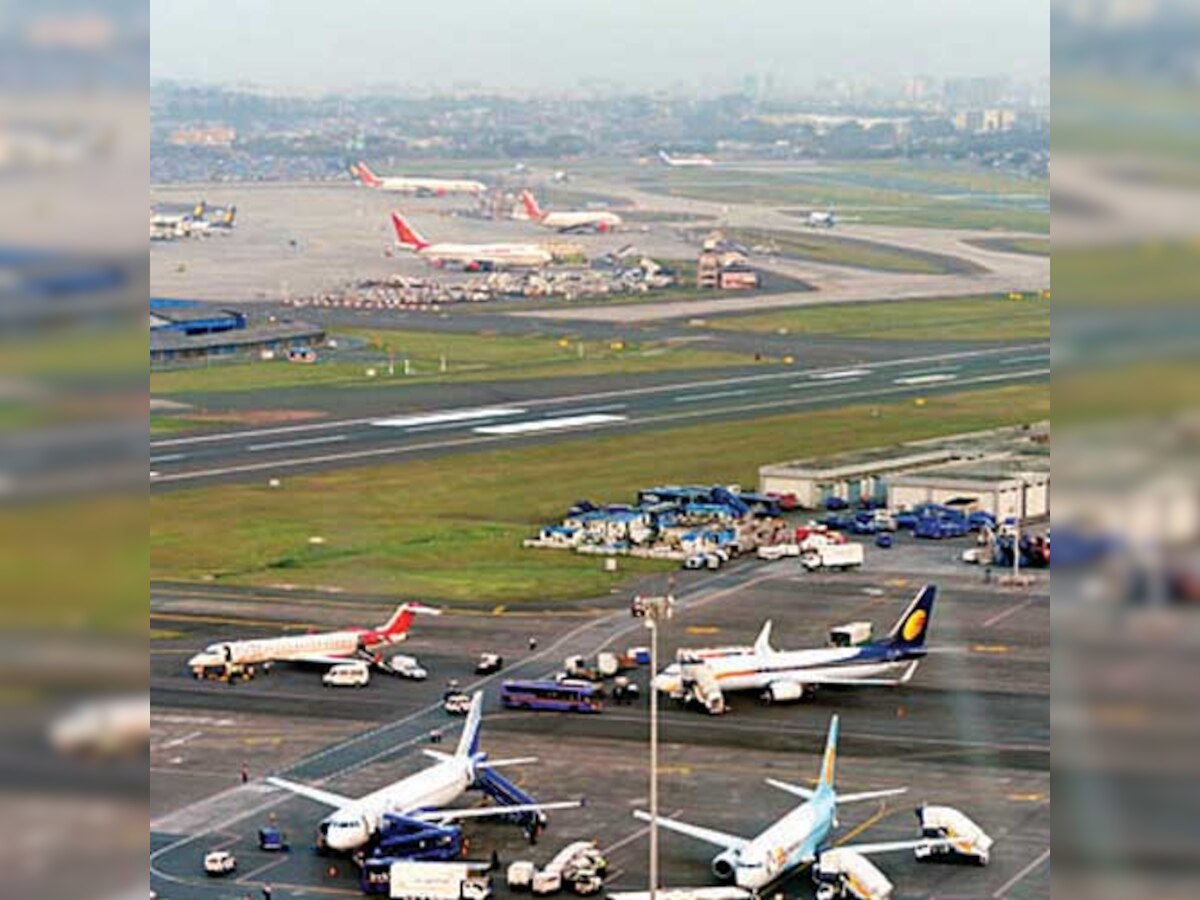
[[348, 674], [456, 703], [219, 862]]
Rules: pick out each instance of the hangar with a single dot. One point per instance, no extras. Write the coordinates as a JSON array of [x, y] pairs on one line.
[[1005, 472], [183, 331]]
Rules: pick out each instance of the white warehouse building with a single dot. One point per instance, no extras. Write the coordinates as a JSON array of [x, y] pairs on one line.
[[1005, 472]]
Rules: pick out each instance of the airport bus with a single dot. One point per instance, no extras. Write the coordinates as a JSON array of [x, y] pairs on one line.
[[560, 696]]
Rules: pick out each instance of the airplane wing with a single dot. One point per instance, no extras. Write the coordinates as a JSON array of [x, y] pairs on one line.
[[870, 795], [326, 797], [478, 812], [891, 846], [793, 789], [903, 678], [708, 835]]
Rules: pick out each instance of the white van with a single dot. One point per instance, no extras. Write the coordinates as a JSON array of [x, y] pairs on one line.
[[348, 674]]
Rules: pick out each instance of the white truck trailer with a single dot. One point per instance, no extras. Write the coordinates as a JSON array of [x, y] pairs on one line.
[[410, 880], [833, 556], [841, 873], [952, 834], [579, 866]]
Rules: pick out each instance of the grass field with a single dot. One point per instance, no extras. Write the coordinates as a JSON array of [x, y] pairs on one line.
[[914, 194], [953, 318], [468, 357], [450, 529], [849, 252], [1026, 246]]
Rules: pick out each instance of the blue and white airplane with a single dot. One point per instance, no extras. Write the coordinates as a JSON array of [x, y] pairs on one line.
[[797, 839], [423, 796], [783, 675]]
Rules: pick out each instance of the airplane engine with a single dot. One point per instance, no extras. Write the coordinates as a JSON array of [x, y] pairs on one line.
[[724, 865], [784, 691]]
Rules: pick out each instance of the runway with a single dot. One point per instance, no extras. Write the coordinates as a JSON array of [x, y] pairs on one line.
[[522, 414]]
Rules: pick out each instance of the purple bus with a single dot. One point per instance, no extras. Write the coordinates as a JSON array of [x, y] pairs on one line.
[[559, 696]]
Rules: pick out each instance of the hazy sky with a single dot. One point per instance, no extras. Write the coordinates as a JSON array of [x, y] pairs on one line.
[[554, 44]]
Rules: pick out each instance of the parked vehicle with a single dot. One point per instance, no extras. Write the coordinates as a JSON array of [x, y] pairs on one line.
[[348, 674], [489, 663], [219, 862], [833, 556], [568, 695], [272, 840], [409, 880], [456, 703], [884, 540], [850, 635], [966, 839]]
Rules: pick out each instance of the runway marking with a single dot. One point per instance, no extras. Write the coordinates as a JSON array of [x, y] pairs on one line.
[[269, 864], [614, 394], [990, 648], [169, 457], [557, 424], [454, 415], [838, 375], [1015, 608], [179, 741], [1012, 882], [1020, 359], [302, 442], [278, 465], [924, 379], [696, 398]]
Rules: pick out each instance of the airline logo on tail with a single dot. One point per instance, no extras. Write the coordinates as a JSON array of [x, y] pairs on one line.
[[531, 206], [365, 175], [406, 235], [829, 762], [909, 632]]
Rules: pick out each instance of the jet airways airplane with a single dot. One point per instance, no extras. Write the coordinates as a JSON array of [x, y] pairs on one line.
[[327, 648], [424, 187], [569, 221], [685, 162], [473, 257], [784, 675], [355, 822], [794, 840]]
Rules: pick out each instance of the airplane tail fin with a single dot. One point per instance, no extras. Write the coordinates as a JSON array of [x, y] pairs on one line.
[[910, 629], [829, 760], [531, 205], [402, 618], [662, 154], [230, 215], [367, 177], [468, 743], [200, 209], [406, 235], [762, 644]]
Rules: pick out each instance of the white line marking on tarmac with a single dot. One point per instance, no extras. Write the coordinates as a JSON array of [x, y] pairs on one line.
[[170, 457], [1015, 608], [924, 379], [302, 442], [600, 395], [843, 373], [696, 398], [1012, 882], [1041, 357], [179, 741], [469, 441], [630, 838], [557, 424], [453, 415]]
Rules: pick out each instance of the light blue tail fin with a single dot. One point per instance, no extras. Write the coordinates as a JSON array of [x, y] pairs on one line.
[[829, 760], [468, 743]]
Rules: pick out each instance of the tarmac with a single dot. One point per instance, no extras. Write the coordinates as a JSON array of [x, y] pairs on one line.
[[971, 730]]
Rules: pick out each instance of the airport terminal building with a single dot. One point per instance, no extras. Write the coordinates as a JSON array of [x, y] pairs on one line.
[[188, 331], [1005, 472]]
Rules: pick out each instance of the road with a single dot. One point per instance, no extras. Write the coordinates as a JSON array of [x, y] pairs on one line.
[[530, 413]]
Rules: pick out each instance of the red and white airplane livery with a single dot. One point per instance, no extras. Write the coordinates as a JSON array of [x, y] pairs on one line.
[[569, 220], [473, 257], [327, 648], [423, 187]]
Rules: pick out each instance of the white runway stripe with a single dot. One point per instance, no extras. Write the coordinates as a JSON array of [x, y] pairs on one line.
[[453, 415], [557, 424]]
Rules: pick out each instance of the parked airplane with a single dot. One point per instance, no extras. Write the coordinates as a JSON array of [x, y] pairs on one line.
[[355, 822], [684, 162], [422, 187], [800, 837], [788, 674], [569, 221], [472, 257], [328, 648]]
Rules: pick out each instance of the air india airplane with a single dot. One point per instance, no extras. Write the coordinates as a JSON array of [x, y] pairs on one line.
[[422, 187], [569, 220], [473, 257]]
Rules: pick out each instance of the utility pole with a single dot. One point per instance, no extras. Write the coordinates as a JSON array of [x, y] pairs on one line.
[[653, 610]]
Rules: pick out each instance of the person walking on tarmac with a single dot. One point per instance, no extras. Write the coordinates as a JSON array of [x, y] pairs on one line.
[[267, 893]]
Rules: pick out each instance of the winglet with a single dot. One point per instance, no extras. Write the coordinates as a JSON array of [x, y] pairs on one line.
[[762, 644]]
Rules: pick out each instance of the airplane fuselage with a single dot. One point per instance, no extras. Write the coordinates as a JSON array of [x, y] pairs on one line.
[[499, 255], [580, 221], [430, 186], [354, 824], [334, 643], [757, 671], [792, 841]]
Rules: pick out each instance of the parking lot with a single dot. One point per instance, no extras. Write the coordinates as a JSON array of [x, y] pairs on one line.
[[971, 730]]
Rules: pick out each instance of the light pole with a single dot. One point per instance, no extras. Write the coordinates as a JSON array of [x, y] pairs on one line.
[[653, 610]]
